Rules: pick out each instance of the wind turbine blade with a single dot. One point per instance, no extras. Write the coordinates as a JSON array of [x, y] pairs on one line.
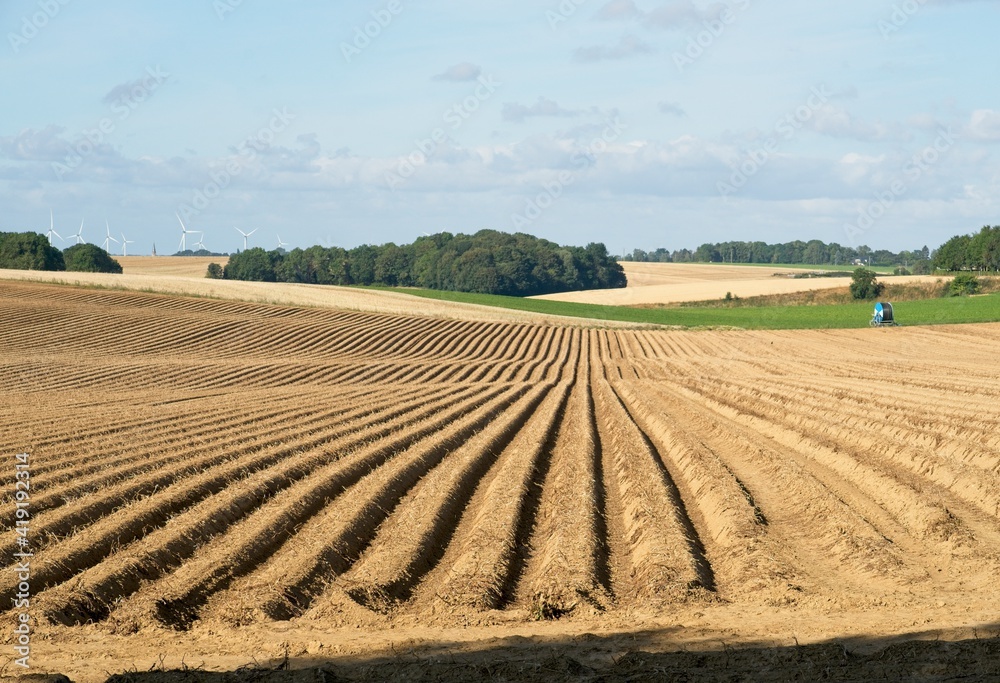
[[252, 231], [179, 219]]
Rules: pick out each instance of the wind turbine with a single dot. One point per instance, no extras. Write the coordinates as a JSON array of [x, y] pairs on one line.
[[78, 236], [245, 235], [184, 233], [125, 244], [201, 243], [281, 244], [52, 227], [109, 239]]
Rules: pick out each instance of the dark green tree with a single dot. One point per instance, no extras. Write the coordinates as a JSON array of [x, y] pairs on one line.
[[392, 266], [984, 249], [90, 258], [363, 260], [297, 266], [255, 265], [954, 254], [29, 251], [707, 253], [864, 285], [215, 272]]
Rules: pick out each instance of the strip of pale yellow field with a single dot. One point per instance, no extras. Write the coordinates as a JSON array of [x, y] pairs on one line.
[[668, 283], [650, 274], [185, 276]]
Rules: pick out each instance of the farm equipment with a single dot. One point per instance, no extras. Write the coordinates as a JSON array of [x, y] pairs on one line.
[[883, 316]]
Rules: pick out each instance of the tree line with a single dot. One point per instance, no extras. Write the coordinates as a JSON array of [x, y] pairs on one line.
[[487, 262], [32, 251], [812, 252], [979, 251]]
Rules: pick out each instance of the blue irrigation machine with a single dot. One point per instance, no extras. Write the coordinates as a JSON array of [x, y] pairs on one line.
[[883, 315]]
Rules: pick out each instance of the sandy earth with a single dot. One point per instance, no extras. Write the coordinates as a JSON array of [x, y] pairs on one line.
[[218, 484], [667, 283]]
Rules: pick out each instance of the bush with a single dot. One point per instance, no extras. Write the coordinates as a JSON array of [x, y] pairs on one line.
[[900, 270], [29, 251], [864, 285], [215, 272], [923, 267], [89, 258], [964, 284]]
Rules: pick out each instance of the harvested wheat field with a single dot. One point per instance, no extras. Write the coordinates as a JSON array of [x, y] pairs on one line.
[[154, 276], [672, 283], [216, 484]]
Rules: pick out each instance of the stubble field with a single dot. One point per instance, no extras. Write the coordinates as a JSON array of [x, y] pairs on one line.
[[671, 283], [236, 481]]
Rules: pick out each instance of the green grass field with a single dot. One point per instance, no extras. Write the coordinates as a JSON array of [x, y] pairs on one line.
[[976, 309]]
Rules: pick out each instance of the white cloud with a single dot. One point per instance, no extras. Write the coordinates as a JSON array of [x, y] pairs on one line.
[[35, 145], [836, 121], [984, 125], [855, 167], [628, 46], [460, 72], [517, 113]]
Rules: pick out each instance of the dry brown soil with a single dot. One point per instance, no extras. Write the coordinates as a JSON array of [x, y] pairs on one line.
[[222, 484]]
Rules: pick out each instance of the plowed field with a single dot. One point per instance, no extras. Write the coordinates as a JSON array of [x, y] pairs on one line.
[[201, 469]]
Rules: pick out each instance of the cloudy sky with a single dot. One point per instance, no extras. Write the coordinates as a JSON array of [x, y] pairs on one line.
[[638, 123]]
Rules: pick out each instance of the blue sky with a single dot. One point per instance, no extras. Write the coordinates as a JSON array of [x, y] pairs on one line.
[[637, 123]]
